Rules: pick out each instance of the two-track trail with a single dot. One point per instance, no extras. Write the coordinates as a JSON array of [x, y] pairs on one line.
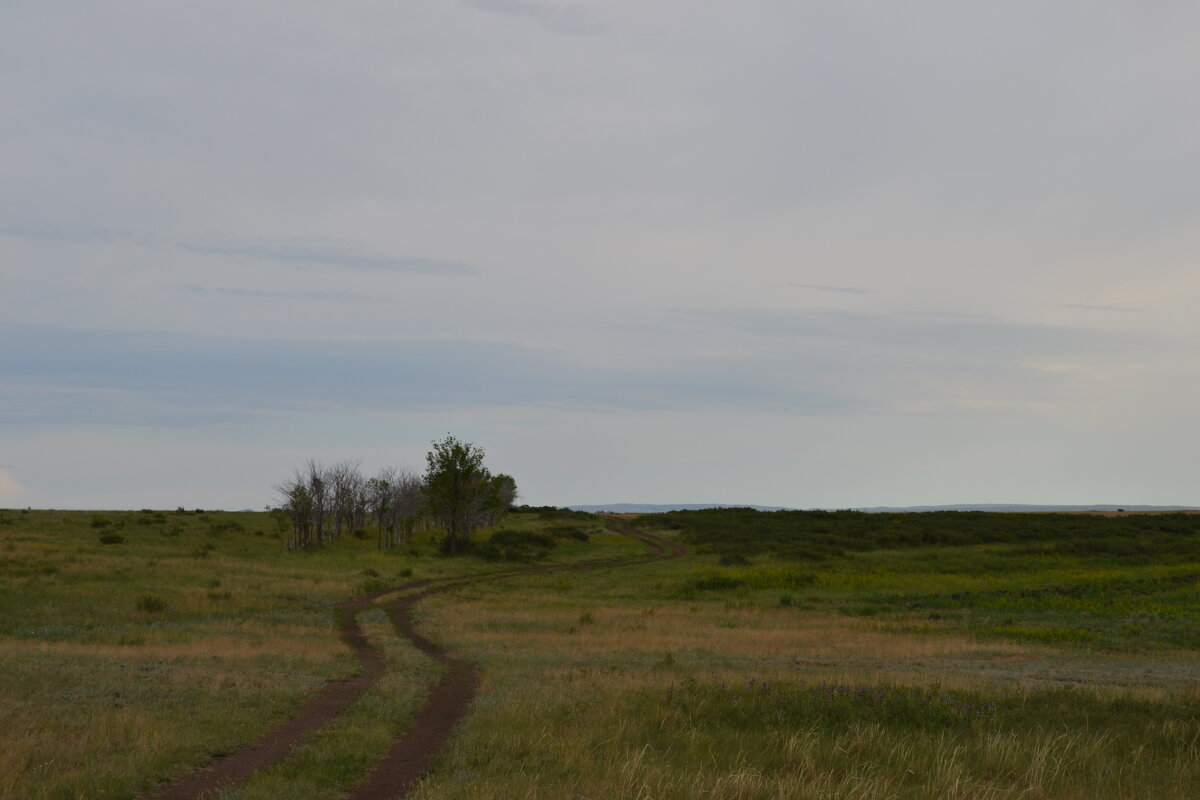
[[413, 751]]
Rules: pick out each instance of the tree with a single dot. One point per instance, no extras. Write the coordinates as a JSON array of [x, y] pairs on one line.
[[379, 503], [457, 486], [502, 490], [408, 504], [394, 498], [297, 505], [346, 496]]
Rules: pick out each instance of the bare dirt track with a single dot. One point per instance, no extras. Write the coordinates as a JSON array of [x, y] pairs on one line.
[[413, 752]]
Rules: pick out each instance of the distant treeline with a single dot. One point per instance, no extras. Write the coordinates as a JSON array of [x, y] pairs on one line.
[[815, 535]]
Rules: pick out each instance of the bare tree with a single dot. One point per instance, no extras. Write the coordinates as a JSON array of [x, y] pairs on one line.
[[380, 505], [297, 505], [316, 483], [344, 485], [408, 500]]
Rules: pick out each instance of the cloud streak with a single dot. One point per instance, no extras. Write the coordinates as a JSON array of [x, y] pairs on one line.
[[567, 18], [63, 232], [292, 251], [61, 376], [346, 297], [327, 254], [833, 289], [1087, 307]]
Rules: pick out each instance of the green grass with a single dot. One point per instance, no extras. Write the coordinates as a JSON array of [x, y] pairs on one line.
[[664, 696], [1117, 583], [991, 663], [124, 662], [345, 752]]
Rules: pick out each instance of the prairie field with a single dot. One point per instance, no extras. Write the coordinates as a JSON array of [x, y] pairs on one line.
[[902, 656]]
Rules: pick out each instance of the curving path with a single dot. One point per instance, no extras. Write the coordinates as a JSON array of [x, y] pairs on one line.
[[413, 751]]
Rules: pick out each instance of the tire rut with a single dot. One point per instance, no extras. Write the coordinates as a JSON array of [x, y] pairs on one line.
[[413, 751]]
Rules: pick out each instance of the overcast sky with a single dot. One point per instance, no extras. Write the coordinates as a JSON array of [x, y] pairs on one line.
[[812, 254]]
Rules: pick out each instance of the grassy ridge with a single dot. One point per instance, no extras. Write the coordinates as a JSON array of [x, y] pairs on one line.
[[1126, 583], [818, 535]]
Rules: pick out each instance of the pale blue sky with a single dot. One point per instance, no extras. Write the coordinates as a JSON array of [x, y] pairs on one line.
[[802, 254]]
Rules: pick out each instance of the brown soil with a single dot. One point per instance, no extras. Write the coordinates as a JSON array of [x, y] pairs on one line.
[[411, 755]]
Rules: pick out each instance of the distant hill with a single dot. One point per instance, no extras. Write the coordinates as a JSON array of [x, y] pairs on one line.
[[647, 508], [644, 508], [1018, 507]]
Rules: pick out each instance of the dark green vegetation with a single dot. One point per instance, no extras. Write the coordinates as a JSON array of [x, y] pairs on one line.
[[818, 535], [461, 492], [1122, 582]]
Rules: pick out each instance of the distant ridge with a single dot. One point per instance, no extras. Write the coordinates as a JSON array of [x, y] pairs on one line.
[[1018, 507], [645, 508]]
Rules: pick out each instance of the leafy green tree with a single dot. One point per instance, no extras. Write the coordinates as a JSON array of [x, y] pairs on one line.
[[502, 491], [458, 487]]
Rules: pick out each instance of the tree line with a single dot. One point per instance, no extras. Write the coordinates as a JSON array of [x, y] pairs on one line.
[[457, 493]]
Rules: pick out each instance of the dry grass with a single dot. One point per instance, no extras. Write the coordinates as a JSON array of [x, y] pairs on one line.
[[572, 705]]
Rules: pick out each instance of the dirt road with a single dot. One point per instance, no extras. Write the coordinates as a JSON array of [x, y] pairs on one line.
[[412, 753]]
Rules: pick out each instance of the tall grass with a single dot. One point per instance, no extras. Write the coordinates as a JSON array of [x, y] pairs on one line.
[[1009, 669], [669, 696], [125, 663]]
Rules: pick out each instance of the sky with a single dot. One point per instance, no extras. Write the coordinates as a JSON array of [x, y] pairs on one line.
[[805, 254]]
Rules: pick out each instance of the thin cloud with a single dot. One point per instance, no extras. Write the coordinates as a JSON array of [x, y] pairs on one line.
[[328, 254], [1084, 306], [347, 255], [836, 289], [973, 339], [64, 376], [349, 297], [570, 19], [63, 232]]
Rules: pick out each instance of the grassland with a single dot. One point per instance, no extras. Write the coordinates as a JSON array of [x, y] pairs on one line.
[[125, 662], [970, 664]]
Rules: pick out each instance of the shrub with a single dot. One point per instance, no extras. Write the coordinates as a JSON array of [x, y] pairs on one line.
[[522, 539], [151, 604], [714, 580], [568, 532], [111, 538], [218, 528], [373, 585]]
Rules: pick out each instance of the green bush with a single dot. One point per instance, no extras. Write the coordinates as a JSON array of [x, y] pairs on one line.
[[151, 604]]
